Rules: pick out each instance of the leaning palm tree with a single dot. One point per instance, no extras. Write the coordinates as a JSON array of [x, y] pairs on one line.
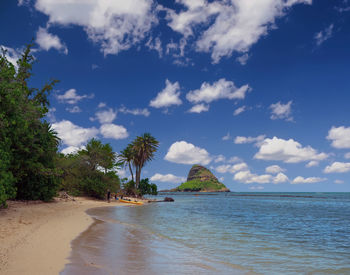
[[126, 158], [144, 148]]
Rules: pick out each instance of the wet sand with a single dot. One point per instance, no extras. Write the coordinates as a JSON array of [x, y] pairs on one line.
[[35, 238]]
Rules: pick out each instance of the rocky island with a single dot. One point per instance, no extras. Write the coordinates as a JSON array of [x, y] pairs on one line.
[[200, 179]]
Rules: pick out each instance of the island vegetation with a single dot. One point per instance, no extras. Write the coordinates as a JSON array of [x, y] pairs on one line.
[[31, 166], [200, 179]]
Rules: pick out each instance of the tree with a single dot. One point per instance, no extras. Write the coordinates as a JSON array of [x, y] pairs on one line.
[[126, 157], [144, 147], [28, 145]]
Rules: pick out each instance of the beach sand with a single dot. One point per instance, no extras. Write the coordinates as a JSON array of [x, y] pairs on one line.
[[35, 237]]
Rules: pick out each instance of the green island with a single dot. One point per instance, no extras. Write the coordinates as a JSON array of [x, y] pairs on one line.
[[200, 179]]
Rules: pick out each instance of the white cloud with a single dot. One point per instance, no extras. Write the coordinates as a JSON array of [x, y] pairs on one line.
[[256, 187], [73, 135], [234, 159], [288, 151], [167, 178], [239, 110], [101, 105], [12, 55], [74, 109], [221, 89], [170, 95], [247, 177], [280, 178], [228, 26], [312, 164], [231, 168], [300, 180], [221, 179], [186, 153], [243, 59], [135, 112], [227, 137], [114, 131], [105, 116], [51, 115], [71, 149], [324, 35], [46, 41], [340, 137], [347, 155], [114, 25], [244, 140], [155, 44], [337, 167], [198, 108], [71, 96], [339, 181], [281, 111], [219, 158], [274, 169]]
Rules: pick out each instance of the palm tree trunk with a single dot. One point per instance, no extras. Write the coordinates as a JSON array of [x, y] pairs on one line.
[[132, 175], [138, 176]]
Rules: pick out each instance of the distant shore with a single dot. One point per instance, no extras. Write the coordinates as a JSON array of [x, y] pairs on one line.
[[35, 237]]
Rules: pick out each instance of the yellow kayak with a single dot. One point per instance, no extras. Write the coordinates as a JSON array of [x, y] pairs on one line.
[[133, 202]]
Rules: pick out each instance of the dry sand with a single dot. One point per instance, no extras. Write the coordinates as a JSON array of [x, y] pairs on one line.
[[35, 238]]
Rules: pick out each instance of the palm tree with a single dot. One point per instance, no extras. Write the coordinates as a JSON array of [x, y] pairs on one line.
[[144, 148], [126, 157]]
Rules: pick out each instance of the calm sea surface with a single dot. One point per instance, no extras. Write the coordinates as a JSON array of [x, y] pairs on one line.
[[227, 233]]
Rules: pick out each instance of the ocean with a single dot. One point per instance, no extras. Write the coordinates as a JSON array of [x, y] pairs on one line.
[[219, 233]]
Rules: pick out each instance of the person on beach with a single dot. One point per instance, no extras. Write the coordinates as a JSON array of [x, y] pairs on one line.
[[108, 195]]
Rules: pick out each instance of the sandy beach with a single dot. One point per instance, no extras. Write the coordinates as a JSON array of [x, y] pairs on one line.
[[35, 237]]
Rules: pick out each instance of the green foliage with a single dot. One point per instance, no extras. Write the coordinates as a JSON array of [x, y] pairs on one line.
[[197, 185], [28, 146], [129, 188], [89, 171], [138, 153], [145, 188]]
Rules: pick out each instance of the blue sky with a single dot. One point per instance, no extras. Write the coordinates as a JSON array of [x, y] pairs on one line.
[[257, 91]]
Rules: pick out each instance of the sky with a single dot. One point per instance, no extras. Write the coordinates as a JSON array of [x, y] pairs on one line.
[[257, 91]]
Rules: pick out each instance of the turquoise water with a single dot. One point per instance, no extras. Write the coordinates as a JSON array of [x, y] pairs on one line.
[[227, 233]]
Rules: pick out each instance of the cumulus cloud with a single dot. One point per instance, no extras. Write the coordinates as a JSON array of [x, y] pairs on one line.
[[256, 187], [239, 110], [280, 178], [105, 116], [170, 95], [219, 158], [227, 26], [247, 177], [300, 180], [72, 149], [135, 112], [114, 25], [198, 108], [221, 89], [339, 181], [167, 178], [347, 155], [156, 45], [337, 167], [231, 168], [244, 140], [281, 111], [113, 131], [186, 153], [274, 169], [46, 41], [312, 164], [340, 137], [73, 135], [324, 35], [288, 151], [101, 105], [226, 137], [243, 59], [74, 109], [71, 97]]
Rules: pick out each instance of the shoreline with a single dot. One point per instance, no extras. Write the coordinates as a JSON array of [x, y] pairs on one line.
[[35, 237]]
